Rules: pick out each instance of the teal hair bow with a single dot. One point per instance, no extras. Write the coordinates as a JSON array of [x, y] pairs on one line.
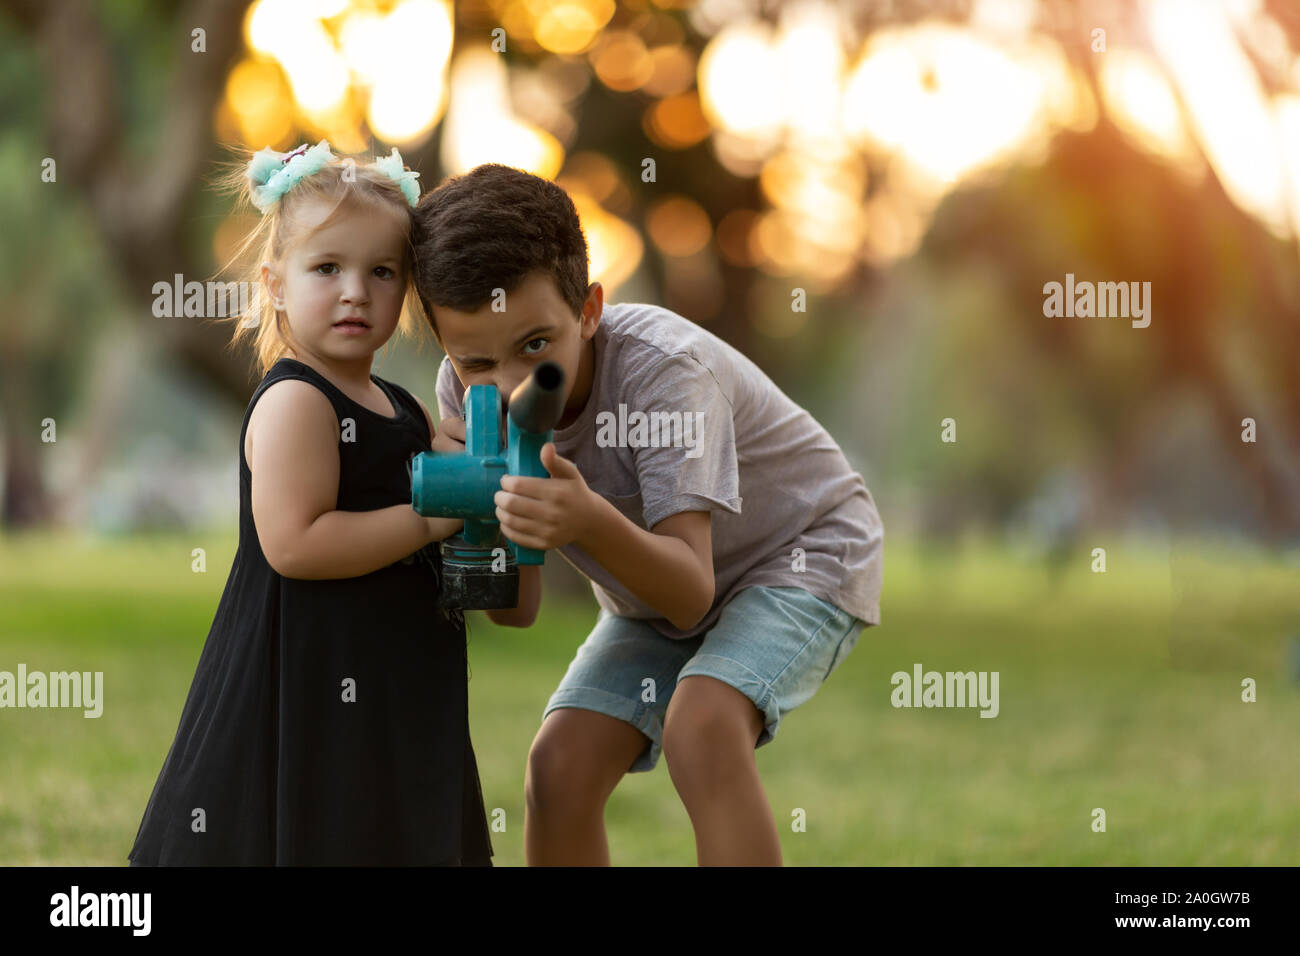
[[392, 167], [274, 174]]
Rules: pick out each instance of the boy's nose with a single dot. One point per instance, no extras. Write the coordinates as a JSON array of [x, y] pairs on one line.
[[505, 388]]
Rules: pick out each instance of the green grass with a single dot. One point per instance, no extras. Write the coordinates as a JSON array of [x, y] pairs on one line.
[[1119, 690]]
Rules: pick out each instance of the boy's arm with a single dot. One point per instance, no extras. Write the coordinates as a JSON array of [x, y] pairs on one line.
[[669, 567], [530, 599]]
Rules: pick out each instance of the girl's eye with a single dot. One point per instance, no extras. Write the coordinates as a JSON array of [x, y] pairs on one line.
[[384, 272], [530, 342], [326, 266]]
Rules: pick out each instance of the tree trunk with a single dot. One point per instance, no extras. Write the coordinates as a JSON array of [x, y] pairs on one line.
[[26, 503]]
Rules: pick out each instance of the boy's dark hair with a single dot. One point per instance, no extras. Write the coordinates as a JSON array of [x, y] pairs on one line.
[[489, 229]]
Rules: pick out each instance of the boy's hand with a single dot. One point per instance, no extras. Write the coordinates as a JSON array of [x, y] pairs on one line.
[[545, 513], [450, 436]]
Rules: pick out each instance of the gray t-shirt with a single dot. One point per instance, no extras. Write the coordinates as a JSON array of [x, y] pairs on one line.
[[678, 420]]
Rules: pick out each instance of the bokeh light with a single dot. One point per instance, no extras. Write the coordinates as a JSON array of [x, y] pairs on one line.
[[481, 127], [796, 99], [1142, 103], [678, 225], [345, 64]]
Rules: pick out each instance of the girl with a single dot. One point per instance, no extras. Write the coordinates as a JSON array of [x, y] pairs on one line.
[[327, 722]]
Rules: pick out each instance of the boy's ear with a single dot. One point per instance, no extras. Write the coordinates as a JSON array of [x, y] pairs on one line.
[[592, 308], [271, 280]]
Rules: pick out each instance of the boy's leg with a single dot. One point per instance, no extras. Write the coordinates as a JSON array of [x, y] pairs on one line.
[[576, 760], [769, 652], [709, 739]]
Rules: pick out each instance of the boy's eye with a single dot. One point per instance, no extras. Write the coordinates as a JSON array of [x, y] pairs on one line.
[[530, 342], [325, 267]]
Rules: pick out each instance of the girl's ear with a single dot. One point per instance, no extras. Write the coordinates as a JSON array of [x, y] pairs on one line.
[[274, 288]]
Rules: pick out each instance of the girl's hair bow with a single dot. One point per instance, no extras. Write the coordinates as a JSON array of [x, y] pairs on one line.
[[392, 167], [273, 174]]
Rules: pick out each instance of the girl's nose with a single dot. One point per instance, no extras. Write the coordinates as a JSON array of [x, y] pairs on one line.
[[354, 291]]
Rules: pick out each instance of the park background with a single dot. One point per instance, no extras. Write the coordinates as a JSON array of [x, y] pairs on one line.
[[920, 171]]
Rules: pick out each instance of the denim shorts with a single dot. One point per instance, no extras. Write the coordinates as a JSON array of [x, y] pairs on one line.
[[776, 645]]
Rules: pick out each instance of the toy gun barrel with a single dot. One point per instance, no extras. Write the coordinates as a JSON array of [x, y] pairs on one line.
[[537, 404]]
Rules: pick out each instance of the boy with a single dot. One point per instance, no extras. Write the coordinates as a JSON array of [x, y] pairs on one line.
[[713, 625]]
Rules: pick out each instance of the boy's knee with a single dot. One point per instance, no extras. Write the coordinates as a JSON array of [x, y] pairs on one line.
[[567, 773], [547, 782], [699, 746], [707, 714], [709, 731]]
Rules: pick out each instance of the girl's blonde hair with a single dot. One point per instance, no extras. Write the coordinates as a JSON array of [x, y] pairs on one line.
[[345, 181]]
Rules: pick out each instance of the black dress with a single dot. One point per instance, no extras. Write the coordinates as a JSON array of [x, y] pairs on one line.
[[328, 720]]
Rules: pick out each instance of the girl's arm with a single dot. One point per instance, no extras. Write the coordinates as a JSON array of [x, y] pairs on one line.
[[294, 458]]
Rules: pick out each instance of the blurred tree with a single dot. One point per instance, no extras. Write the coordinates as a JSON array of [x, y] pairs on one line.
[[137, 169], [128, 110], [55, 308], [1226, 295]]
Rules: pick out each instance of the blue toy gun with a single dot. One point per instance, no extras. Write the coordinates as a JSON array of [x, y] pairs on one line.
[[480, 567]]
